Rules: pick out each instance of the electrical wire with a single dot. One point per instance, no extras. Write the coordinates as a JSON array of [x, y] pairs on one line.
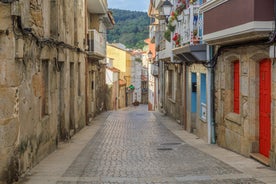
[[212, 63], [41, 42], [272, 38], [7, 1]]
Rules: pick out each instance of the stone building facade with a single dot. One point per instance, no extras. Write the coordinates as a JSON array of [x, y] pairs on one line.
[[243, 54], [43, 79], [239, 126], [99, 20], [196, 87], [181, 54], [174, 86]]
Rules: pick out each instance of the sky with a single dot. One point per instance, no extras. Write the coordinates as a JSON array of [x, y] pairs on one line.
[[135, 5]]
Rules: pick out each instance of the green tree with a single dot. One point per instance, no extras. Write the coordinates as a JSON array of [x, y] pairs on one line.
[[131, 28]]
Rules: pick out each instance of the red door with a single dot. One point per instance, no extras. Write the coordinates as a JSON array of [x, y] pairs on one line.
[[237, 86], [265, 106]]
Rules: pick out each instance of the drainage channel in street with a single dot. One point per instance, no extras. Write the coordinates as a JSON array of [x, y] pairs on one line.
[[169, 146]]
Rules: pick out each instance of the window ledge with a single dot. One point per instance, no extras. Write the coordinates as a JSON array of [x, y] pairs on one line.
[[171, 100], [233, 118], [203, 120], [233, 123]]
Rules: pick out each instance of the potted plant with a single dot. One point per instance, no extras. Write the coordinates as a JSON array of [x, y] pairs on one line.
[[181, 5], [176, 38], [135, 103], [195, 37], [167, 35]]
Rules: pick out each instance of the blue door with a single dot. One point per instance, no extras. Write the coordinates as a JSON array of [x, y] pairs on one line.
[[193, 96]]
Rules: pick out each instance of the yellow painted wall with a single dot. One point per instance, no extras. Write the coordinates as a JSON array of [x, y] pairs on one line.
[[119, 57], [122, 61]]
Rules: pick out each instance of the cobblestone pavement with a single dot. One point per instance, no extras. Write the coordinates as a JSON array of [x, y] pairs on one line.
[[133, 147]]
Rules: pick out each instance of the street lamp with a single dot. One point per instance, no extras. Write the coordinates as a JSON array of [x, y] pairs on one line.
[[167, 7]]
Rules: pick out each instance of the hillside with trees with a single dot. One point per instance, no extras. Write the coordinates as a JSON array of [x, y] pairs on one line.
[[131, 28]]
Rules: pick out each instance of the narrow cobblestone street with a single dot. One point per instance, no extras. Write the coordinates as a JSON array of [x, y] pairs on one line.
[[135, 146]]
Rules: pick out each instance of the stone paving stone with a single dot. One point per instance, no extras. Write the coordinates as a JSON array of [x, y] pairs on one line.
[[134, 147]]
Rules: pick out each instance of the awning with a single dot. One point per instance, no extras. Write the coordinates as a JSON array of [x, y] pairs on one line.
[[191, 53]]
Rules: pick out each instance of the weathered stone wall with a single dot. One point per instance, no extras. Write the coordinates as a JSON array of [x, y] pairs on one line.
[[101, 90], [110, 105], [240, 132], [122, 97], [174, 107], [273, 117], [97, 89], [42, 89]]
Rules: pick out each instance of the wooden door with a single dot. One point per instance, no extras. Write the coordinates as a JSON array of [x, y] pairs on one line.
[[265, 107]]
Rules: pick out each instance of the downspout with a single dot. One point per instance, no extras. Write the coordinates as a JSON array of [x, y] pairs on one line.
[[273, 37], [86, 63], [210, 99], [164, 87], [185, 97]]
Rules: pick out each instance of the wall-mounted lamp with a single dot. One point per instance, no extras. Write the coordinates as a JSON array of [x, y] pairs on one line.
[[166, 8]]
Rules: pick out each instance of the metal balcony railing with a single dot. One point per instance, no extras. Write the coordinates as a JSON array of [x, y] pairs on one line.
[[190, 28], [96, 44]]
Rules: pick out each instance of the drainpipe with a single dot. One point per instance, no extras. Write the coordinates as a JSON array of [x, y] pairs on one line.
[[86, 63], [210, 100], [185, 97], [164, 87]]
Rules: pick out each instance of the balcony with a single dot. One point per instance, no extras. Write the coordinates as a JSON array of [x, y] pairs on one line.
[[97, 7], [191, 53], [96, 45], [187, 41], [189, 27], [227, 22], [154, 70]]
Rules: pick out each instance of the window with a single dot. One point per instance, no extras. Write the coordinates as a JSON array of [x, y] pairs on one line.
[[54, 19], [79, 79], [237, 87], [44, 88], [76, 43], [172, 84]]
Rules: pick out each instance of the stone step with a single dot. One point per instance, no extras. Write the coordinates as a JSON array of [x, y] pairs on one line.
[[261, 158]]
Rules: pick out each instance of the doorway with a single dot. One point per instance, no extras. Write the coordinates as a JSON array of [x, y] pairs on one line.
[[193, 101], [265, 107]]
